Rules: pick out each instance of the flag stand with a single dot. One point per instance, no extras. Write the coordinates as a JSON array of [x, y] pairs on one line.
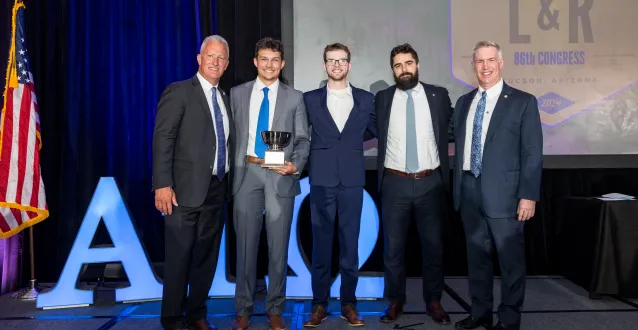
[[31, 292]]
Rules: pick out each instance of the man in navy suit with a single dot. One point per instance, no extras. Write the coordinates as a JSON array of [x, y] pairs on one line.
[[413, 170], [339, 115], [497, 178]]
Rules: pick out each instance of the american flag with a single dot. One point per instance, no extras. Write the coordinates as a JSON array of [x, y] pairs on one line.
[[22, 196]]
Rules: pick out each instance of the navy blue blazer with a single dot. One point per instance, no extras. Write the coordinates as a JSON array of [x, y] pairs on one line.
[[512, 155], [337, 157], [441, 112]]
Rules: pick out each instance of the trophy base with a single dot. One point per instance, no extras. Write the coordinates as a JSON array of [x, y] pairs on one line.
[[274, 159], [273, 165]]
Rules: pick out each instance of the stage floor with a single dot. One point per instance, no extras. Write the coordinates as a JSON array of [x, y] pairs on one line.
[[551, 303]]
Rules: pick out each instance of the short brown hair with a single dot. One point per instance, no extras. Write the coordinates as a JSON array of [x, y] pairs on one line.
[[270, 44], [336, 46]]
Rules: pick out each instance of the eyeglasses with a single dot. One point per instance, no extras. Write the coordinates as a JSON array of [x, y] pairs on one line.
[[341, 62]]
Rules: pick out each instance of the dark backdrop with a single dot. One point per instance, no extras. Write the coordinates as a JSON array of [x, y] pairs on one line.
[[99, 69]]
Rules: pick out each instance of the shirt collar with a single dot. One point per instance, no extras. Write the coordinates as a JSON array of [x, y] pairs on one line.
[[348, 90], [259, 85], [206, 85], [416, 90], [493, 91]]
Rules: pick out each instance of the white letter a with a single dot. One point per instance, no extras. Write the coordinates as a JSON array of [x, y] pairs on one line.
[[107, 204]]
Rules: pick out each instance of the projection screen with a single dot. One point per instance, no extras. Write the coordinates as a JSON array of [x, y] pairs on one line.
[[578, 57]]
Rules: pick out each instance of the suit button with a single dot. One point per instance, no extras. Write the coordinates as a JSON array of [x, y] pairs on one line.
[[340, 138]]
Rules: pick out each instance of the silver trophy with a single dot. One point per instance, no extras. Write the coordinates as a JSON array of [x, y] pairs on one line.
[[276, 142]]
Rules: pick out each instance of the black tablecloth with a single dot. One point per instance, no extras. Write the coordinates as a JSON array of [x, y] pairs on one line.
[[599, 245]]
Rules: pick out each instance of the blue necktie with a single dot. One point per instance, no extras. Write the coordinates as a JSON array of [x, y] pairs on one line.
[[411, 153], [262, 125], [476, 153], [221, 137]]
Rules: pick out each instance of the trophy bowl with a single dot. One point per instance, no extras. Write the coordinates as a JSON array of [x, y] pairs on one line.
[[276, 140]]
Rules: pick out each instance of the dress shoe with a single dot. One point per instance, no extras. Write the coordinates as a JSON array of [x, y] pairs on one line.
[[276, 322], [241, 323], [473, 322], [200, 324], [392, 313], [317, 316], [503, 326], [437, 313], [351, 315]]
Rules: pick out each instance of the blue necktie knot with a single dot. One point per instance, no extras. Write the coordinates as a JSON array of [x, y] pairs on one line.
[[476, 155]]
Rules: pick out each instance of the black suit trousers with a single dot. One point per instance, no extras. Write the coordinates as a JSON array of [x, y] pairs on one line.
[[423, 200], [193, 235]]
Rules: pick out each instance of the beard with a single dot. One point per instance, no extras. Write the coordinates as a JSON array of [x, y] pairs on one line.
[[340, 77], [407, 80]]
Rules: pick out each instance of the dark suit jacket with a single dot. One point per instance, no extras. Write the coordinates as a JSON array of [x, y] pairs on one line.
[[512, 155], [441, 111], [337, 157], [184, 142]]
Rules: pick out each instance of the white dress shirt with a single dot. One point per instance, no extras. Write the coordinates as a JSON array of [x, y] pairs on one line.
[[207, 87], [395, 154], [340, 103], [490, 102], [256, 97]]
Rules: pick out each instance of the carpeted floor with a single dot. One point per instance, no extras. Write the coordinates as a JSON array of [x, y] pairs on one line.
[[551, 303]]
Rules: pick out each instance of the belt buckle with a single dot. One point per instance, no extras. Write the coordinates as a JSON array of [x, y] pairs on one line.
[[415, 175]]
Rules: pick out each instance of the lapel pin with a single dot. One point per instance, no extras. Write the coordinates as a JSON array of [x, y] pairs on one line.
[[505, 96], [433, 94]]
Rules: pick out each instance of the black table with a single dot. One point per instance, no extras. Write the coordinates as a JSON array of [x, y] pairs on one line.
[[598, 243]]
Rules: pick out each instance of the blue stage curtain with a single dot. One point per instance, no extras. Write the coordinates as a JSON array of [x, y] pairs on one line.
[[99, 69], [103, 66]]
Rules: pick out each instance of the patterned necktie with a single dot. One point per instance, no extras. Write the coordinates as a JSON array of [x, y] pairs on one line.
[[411, 154], [221, 137], [262, 125], [476, 155]]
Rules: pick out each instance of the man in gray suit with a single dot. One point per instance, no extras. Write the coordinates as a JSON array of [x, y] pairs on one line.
[[261, 105]]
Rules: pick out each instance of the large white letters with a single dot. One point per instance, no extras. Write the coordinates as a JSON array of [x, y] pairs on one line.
[[107, 204]]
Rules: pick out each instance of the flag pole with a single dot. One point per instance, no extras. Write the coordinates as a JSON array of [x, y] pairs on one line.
[[31, 292]]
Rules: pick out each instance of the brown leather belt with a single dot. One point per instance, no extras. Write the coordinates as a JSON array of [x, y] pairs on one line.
[[417, 175], [254, 160]]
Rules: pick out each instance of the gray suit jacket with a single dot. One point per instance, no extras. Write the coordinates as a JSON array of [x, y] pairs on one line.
[[290, 116]]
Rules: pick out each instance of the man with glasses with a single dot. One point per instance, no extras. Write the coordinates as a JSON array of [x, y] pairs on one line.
[[339, 115]]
